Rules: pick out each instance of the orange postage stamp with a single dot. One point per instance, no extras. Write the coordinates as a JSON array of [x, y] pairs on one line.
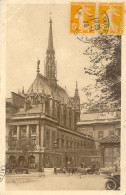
[[102, 18]]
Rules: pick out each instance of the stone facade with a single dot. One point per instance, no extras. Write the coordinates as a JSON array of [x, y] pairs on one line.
[[44, 133], [102, 127]]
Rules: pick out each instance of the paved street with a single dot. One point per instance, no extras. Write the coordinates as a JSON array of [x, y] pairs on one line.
[[55, 182]]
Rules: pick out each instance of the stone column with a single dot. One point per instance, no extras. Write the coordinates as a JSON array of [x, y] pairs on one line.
[[18, 133], [102, 156], [27, 130], [67, 116], [61, 114], [37, 135], [43, 107], [73, 119], [59, 142], [51, 106], [42, 144], [50, 139], [43, 104], [55, 109]]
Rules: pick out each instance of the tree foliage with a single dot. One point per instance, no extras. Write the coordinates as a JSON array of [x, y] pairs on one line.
[[105, 57]]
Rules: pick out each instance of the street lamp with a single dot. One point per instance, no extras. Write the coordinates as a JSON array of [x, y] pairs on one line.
[[69, 146], [55, 146]]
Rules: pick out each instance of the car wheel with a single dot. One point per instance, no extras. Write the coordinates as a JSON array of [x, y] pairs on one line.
[[110, 185]]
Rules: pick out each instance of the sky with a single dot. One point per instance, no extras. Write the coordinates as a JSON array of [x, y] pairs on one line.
[[27, 33]]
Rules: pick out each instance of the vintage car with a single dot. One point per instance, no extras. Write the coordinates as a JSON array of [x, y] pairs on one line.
[[93, 169], [113, 181], [14, 170], [21, 170]]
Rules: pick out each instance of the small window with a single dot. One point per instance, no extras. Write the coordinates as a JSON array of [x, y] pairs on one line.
[[34, 142], [23, 129], [33, 129], [14, 131], [100, 134], [14, 142], [111, 132], [91, 133], [118, 131]]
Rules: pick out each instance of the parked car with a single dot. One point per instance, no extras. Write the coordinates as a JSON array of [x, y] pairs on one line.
[[106, 170], [21, 170], [93, 169], [113, 181], [16, 170], [82, 171]]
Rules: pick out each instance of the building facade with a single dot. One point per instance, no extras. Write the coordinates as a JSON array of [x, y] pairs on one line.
[[105, 129], [44, 133]]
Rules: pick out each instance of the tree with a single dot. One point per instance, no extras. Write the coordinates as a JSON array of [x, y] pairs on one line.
[[105, 55]]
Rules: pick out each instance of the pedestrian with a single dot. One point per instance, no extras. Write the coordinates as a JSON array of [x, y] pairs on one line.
[[64, 170], [69, 170], [73, 170], [55, 170], [76, 169]]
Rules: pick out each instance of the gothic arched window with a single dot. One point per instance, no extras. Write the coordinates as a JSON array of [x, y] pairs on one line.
[[58, 111], [47, 138], [64, 117], [70, 119]]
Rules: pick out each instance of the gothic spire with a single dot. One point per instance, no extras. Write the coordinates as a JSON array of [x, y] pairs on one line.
[[50, 42], [50, 64]]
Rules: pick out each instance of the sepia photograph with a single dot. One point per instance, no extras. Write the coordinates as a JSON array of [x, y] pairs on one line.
[[63, 96]]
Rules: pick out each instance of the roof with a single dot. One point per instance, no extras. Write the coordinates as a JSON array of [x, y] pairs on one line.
[[42, 86], [81, 123], [98, 116], [111, 139]]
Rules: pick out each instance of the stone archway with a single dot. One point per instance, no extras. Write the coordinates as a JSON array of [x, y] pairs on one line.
[[22, 161], [31, 162], [12, 161]]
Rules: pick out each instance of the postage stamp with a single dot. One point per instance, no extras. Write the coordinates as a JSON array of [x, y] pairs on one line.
[[101, 18]]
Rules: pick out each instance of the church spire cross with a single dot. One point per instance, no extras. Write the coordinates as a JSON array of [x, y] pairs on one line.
[[50, 15]]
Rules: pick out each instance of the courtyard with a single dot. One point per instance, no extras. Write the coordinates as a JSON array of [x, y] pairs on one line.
[[40, 181]]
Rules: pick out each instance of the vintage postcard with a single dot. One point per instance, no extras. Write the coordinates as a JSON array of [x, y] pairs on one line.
[[63, 92]]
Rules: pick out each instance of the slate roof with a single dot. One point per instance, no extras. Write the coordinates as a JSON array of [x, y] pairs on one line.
[[41, 86], [111, 139]]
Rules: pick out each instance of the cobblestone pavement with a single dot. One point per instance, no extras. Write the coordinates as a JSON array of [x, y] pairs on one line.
[[55, 182]]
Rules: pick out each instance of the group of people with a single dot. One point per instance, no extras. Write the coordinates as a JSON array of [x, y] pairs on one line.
[[70, 170]]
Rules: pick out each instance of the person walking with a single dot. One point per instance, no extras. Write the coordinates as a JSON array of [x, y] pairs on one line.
[[69, 170], [55, 170], [64, 170], [73, 170]]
